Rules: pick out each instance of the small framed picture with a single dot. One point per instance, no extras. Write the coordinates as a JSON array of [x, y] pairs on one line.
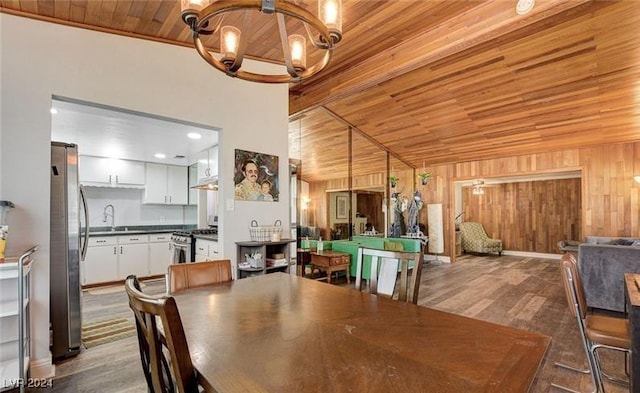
[[341, 207]]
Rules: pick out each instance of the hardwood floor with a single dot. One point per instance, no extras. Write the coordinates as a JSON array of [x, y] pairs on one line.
[[521, 292]]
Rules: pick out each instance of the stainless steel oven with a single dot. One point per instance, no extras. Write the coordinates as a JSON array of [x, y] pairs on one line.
[[182, 246]]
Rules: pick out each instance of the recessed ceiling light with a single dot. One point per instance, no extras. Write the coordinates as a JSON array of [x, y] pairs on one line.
[[194, 135], [159, 155], [524, 6], [53, 111]]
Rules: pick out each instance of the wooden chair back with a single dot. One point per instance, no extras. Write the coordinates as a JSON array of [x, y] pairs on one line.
[[163, 375], [189, 275], [388, 263], [573, 286]]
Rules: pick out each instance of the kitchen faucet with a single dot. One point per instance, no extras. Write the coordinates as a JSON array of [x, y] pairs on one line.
[[112, 215]]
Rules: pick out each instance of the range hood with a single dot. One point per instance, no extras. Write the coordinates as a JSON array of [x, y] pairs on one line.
[[207, 183]]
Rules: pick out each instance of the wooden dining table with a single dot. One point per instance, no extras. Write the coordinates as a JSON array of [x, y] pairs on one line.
[[284, 333]]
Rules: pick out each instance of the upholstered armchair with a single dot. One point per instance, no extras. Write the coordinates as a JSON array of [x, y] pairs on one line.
[[475, 239]]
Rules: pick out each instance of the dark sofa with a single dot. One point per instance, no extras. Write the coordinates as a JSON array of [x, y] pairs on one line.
[[602, 262]]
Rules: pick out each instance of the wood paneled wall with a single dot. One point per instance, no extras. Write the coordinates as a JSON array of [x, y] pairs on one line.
[[528, 216], [370, 206], [318, 207], [610, 199]]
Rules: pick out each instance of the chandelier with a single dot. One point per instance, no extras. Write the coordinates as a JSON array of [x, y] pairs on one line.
[[478, 187], [207, 17]]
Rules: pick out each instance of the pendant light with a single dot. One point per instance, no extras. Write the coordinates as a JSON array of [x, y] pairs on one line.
[[323, 32]]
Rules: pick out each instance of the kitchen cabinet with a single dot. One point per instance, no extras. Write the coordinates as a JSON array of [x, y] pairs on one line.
[[113, 258], [166, 184], [207, 250], [101, 262], [193, 181], [133, 256], [159, 253], [109, 172]]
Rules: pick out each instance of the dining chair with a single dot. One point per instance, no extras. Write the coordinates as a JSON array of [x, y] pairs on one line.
[[596, 331], [189, 275], [160, 333], [384, 266]]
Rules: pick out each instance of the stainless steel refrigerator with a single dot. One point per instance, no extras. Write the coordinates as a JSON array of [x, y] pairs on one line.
[[68, 247]]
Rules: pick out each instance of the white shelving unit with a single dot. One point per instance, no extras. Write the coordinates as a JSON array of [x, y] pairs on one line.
[[15, 340], [267, 250]]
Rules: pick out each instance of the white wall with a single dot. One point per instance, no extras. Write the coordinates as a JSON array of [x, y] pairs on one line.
[[40, 59]]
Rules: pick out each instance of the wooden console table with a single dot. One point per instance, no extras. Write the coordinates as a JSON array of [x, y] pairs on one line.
[[331, 261]]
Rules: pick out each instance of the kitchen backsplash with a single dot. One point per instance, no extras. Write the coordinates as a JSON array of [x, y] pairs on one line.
[[129, 209]]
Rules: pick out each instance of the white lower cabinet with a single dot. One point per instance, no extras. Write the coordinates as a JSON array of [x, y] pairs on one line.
[[113, 258], [207, 250], [101, 261], [159, 253], [133, 257]]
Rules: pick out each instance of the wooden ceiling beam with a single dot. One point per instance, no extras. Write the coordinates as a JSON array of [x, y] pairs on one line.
[[489, 20]]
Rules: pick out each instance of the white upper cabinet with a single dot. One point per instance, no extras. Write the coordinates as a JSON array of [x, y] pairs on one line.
[[155, 190], [193, 181], [178, 184], [110, 172], [208, 159], [166, 184]]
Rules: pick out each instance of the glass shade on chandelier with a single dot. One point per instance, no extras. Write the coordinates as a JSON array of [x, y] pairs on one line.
[[229, 42], [477, 190], [478, 187], [200, 16]]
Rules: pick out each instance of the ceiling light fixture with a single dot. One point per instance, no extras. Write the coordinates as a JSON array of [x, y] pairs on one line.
[[159, 155], [199, 15], [194, 135], [524, 6], [478, 187]]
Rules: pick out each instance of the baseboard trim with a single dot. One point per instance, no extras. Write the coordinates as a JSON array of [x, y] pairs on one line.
[[439, 258], [531, 254], [42, 368]]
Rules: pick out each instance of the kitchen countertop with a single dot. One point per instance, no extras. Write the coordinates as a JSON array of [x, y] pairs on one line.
[[135, 230], [213, 238]]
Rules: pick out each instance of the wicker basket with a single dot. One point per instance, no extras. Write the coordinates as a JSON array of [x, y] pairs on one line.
[[262, 233]]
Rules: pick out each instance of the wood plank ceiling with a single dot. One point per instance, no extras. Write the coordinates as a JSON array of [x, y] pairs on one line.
[[433, 82]]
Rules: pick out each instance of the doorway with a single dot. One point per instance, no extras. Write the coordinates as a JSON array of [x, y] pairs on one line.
[[529, 213]]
